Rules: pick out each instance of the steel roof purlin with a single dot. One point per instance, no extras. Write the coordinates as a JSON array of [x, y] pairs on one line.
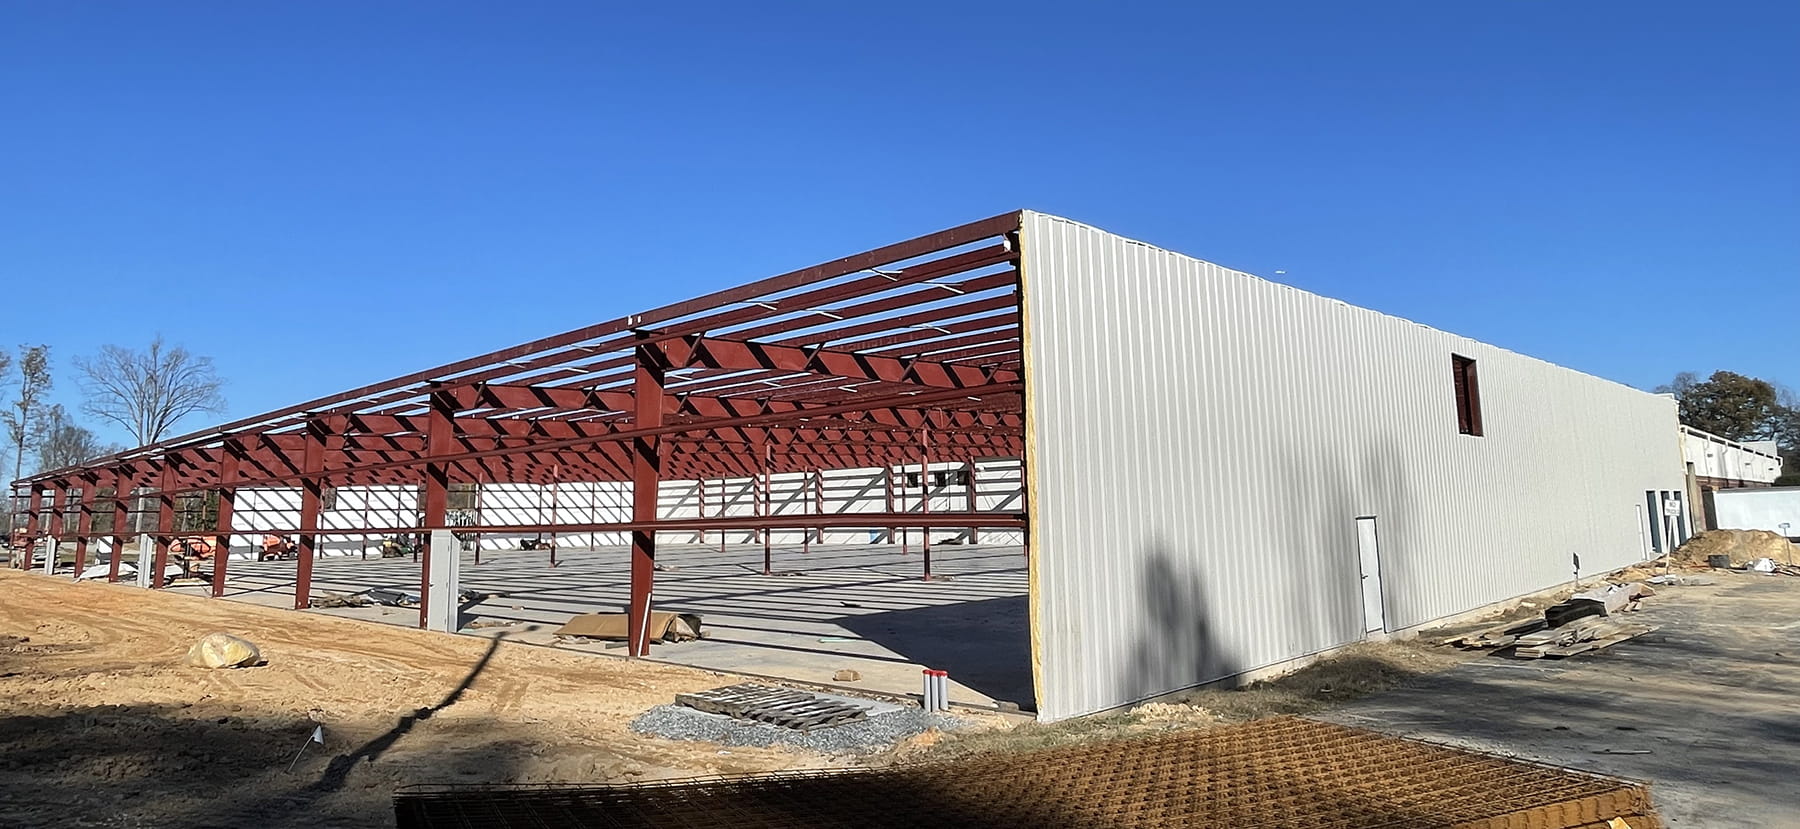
[[837, 365]]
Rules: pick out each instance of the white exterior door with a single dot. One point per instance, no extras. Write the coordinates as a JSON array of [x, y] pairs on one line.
[[1369, 553]]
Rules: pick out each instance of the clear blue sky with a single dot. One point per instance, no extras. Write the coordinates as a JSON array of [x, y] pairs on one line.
[[320, 195]]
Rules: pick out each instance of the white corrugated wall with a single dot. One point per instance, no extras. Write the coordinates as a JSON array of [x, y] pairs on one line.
[[1202, 442]]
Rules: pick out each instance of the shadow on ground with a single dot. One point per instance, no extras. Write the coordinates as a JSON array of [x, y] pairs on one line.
[[1703, 708], [183, 765], [985, 644]]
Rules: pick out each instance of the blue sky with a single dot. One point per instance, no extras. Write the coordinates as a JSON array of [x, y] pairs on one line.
[[321, 195]]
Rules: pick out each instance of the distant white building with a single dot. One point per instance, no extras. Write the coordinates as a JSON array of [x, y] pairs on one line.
[[1716, 463]]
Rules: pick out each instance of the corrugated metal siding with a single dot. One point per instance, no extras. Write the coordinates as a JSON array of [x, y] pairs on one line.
[[1203, 441], [1715, 457]]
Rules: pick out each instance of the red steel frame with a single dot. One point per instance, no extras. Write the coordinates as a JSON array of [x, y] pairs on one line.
[[847, 364]]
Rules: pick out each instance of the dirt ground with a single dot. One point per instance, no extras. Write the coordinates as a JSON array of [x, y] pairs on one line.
[[1704, 708], [105, 725]]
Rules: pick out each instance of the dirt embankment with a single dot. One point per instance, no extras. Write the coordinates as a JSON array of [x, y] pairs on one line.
[[105, 724], [1741, 546]]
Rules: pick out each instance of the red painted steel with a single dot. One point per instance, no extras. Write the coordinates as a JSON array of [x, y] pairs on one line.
[[312, 493], [59, 504], [84, 525], [440, 435], [123, 484], [165, 520], [646, 483], [230, 457], [869, 361], [34, 504]]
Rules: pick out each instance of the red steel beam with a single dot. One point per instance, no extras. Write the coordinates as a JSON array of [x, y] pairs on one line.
[[230, 457], [646, 475]]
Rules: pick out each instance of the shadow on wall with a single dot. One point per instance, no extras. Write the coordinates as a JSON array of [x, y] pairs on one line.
[[1319, 534], [1176, 644], [1303, 570], [985, 645]]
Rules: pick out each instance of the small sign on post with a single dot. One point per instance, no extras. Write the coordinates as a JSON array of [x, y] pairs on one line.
[[1672, 507]]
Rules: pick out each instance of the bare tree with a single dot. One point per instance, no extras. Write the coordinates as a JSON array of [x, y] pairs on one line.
[[24, 416], [148, 391], [66, 443]]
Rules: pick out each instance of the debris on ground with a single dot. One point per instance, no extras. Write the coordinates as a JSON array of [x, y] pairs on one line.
[[846, 675], [329, 599], [1606, 600], [1739, 547], [881, 727], [1583, 622], [1165, 715], [784, 707], [1583, 635], [663, 627], [100, 571], [391, 596], [222, 650], [1670, 579]]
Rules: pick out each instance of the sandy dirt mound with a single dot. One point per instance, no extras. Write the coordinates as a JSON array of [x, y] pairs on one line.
[[104, 724], [1742, 546]]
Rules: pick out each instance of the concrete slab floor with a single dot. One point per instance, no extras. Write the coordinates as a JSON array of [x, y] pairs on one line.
[[1707, 708], [862, 608]]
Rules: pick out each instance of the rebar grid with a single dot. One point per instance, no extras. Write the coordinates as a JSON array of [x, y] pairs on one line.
[[1282, 772]]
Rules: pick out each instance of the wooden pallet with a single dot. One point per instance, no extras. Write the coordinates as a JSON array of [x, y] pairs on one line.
[[784, 707]]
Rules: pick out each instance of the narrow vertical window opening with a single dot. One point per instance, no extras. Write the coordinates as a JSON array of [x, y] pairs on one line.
[[1468, 395]]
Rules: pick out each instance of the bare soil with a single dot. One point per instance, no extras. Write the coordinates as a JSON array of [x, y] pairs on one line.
[[104, 723]]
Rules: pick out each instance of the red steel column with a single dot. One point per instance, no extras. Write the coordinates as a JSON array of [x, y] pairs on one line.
[[887, 490], [646, 479], [84, 521], [165, 519], [33, 505], [123, 483], [819, 499], [974, 504], [925, 493], [768, 502], [230, 455], [440, 439], [59, 502], [312, 493], [555, 481]]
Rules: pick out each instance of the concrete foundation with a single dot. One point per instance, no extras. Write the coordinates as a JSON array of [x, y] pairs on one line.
[[840, 607]]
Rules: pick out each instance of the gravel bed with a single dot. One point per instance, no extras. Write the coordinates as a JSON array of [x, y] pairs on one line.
[[876, 732]]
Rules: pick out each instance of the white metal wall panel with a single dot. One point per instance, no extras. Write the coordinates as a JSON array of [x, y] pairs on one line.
[[1711, 456], [1202, 442], [1774, 509]]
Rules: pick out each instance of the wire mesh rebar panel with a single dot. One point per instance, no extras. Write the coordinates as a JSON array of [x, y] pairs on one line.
[[1282, 772]]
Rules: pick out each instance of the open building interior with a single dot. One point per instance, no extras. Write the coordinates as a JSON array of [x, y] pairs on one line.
[[834, 457]]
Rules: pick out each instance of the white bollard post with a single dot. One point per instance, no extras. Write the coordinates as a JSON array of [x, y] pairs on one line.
[[146, 560], [50, 546], [443, 610]]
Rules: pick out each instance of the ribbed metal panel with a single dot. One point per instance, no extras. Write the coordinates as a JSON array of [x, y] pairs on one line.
[[1203, 440]]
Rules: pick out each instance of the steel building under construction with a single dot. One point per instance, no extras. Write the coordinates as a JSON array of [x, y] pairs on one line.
[[1198, 474]]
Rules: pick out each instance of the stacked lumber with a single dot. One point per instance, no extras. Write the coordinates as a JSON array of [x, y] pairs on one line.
[[1587, 634], [1582, 623]]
